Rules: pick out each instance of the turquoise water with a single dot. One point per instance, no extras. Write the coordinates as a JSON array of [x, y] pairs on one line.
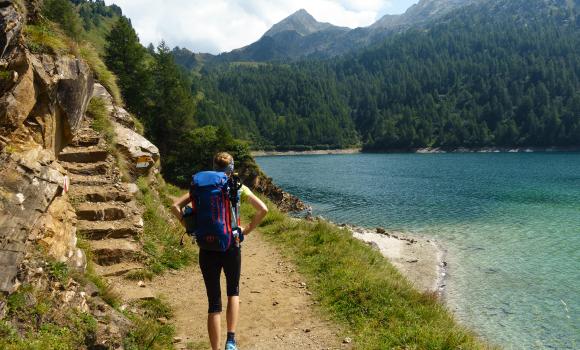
[[510, 224]]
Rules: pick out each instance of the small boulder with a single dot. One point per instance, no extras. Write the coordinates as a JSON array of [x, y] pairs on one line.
[[140, 152]]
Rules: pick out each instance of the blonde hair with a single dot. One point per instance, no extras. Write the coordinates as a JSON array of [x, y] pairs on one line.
[[222, 160]]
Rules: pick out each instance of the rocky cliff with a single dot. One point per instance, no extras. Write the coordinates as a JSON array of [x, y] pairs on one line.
[[43, 99], [47, 147]]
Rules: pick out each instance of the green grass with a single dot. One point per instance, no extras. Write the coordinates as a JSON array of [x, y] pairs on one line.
[[59, 271], [102, 123], [46, 37], [361, 290], [5, 75], [42, 323], [97, 34], [161, 238], [155, 308], [148, 331], [97, 110], [106, 293], [139, 127], [139, 275], [149, 334], [102, 73], [21, 7]]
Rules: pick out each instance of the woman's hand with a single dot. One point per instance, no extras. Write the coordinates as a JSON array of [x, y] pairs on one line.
[[246, 230], [178, 204]]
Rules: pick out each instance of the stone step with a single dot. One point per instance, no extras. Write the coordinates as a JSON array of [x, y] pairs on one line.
[[90, 180], [118, 269], [90, 154], [86, 137], [98, 168], [103, 230], [104, 211], [108, 193], [114, 251], [131, 291]]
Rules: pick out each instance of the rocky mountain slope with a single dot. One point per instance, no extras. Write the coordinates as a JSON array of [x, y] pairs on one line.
[[302, 23], [300, 36], [58, 179]]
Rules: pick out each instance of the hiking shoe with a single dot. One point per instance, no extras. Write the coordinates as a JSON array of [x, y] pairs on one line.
[[231, 346]]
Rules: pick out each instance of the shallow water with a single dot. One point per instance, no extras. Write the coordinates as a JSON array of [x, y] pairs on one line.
[[510, 222]]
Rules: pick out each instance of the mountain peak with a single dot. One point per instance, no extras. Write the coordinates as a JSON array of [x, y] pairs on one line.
[[302, 13], [301, 22]]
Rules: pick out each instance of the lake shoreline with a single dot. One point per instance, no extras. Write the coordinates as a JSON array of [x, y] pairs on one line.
[[424, 150], [302, 153], [422, 261]]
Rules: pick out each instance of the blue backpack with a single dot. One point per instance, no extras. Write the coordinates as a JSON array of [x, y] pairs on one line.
[[214, 214]]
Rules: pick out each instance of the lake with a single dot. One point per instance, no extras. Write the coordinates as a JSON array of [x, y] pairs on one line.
[[510, 223]]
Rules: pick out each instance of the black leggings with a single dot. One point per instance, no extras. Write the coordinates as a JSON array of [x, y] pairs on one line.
[[211, 264]]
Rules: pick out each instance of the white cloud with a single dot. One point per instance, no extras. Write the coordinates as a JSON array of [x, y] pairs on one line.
[[223, 25]]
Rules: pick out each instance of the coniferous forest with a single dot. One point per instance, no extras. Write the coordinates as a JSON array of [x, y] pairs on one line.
[[500, 73], [505, 73]]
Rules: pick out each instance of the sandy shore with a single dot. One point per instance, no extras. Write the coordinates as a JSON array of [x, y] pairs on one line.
[[302, 153], [420, 260]]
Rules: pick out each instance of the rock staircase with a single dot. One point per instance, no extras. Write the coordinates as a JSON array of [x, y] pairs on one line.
[[108, 216]]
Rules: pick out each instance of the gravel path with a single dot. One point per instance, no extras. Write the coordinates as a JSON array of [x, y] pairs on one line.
[[277, 310]]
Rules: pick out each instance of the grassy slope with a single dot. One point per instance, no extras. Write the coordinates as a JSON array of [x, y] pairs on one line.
[[97, 35], [359, 288]]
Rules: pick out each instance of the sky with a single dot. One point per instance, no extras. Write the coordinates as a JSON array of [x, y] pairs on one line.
[[216, 26]]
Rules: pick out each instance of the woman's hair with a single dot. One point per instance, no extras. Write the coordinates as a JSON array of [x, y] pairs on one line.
[[222, 160]]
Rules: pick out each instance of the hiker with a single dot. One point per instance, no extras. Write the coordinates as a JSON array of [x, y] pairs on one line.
[[219, 234]]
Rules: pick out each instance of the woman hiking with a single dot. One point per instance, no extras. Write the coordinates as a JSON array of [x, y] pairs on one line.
[[214, 198]]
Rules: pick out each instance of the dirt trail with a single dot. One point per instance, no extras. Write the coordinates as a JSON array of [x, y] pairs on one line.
[[277, 311]]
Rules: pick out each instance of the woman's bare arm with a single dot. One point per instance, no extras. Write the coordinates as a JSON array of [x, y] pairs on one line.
[[178, 204], [261, 211]]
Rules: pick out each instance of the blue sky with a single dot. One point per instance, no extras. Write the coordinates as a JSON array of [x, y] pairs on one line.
[[223, 25]]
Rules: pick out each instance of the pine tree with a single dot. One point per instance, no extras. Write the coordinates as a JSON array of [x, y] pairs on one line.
[[64, 13], [126, 58], [172, 116]]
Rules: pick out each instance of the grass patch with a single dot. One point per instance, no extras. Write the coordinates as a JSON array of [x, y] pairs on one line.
[[102, 123], [103, 74], [105, 291], [360, 289], [42, 323], [97, 110], [149, 332], [59, 271], [97, 35], [21, 7], [139, 127], [155, 308], [46, 37], [139, 275], [161, 238]]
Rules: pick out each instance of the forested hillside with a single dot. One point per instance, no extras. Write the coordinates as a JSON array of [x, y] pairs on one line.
[[148, 81], [497, 73], [501, 73]]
